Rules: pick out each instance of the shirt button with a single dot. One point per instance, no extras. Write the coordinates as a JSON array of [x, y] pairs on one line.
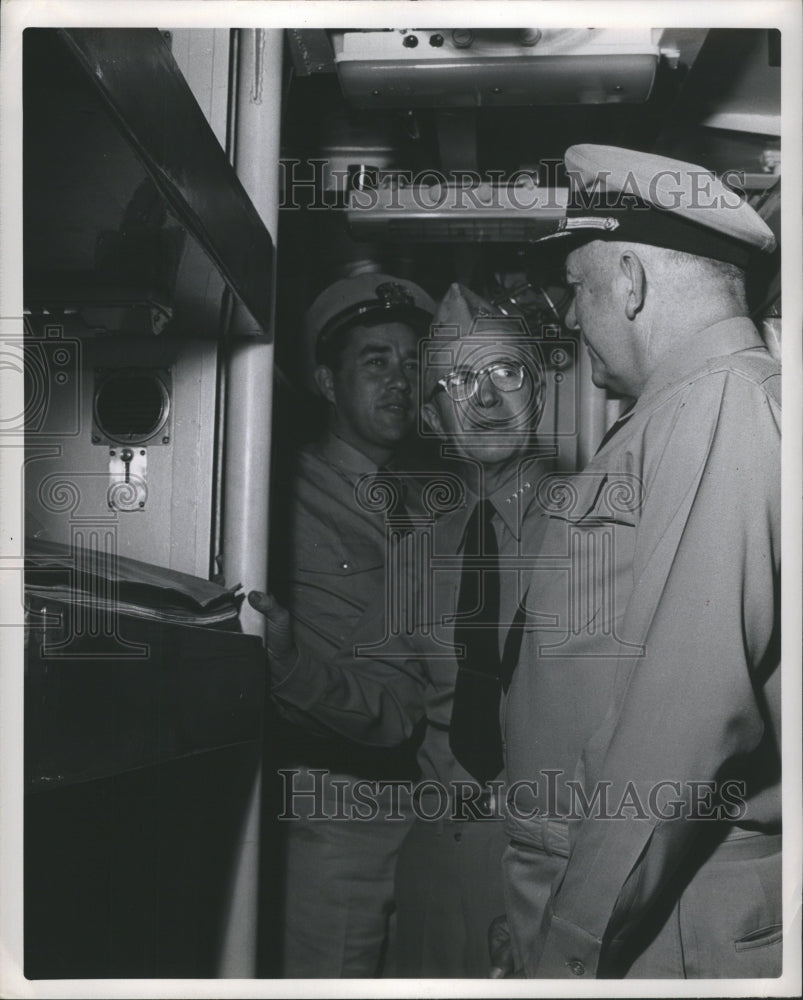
[[344, 565], [458, 836], [576, 967]]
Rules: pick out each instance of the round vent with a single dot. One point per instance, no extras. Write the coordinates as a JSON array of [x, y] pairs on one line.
[[131, 406]]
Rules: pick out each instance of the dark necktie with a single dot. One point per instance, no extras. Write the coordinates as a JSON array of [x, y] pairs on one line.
[[475, 735]]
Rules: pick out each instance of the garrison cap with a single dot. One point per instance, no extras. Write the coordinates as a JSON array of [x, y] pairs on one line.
[[633, 197], [460, 314], [365, 298]]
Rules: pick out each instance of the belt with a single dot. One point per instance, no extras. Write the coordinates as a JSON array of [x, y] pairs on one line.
[[484, 807], [293, 746], [549, 836]]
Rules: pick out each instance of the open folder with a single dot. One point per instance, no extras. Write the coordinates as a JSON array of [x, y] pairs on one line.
[[107, 581]]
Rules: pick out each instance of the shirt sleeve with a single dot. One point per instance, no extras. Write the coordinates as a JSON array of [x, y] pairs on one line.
[[374, 698], [705, 600]]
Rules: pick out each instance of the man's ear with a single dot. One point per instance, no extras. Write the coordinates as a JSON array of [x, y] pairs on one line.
[[635, 286], [432, 418], [325, 381]]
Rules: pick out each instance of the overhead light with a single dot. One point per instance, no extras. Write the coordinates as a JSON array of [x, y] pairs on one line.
[[472, 68], [450, 213]]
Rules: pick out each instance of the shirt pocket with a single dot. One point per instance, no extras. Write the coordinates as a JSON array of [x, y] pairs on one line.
[[582, 580], [338, 556], [333, 581]]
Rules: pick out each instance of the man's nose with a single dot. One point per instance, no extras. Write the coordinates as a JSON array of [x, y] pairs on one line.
[[400, 377], [487, 393]]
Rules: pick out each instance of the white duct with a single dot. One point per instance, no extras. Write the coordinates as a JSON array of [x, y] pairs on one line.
[[249, 401]]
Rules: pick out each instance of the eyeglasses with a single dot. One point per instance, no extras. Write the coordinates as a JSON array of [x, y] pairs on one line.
[[462, 385]]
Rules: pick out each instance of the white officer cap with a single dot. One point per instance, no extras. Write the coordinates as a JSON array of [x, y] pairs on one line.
[[634, 197], [365, 298]]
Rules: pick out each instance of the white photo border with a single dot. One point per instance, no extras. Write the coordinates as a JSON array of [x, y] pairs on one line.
[[786, 15]]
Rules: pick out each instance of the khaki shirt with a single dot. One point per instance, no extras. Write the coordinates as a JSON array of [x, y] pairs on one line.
[[652, 648], [337, 586]]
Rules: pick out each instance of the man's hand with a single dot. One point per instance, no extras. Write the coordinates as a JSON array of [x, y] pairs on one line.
[[500, 948], [280, 629]]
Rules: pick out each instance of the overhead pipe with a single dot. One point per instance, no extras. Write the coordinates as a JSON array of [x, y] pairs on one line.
[[249, 401]]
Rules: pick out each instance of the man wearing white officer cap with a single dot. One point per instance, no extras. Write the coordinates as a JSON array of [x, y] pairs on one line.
[[351, 715], [646, 701]]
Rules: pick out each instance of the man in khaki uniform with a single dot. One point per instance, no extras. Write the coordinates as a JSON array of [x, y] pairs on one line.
[[350, 714], [646, 702]]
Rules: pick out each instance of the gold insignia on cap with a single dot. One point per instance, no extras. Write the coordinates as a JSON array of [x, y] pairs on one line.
[[391, 294], [589, 222]]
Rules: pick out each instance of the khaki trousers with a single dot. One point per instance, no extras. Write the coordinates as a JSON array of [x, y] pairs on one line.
[[338, 889], [448, 890]]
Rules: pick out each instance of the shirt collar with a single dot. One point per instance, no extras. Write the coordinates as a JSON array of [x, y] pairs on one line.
[[511, 497], [690, 353], [347, 459]]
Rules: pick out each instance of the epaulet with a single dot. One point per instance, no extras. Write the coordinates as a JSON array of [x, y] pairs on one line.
[[759, 367]]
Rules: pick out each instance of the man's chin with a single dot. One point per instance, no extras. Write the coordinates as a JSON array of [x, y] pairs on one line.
[[392, 427]]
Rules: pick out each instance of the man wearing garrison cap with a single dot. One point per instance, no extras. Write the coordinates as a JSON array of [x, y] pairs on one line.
[[646, 701], [483, 391]]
